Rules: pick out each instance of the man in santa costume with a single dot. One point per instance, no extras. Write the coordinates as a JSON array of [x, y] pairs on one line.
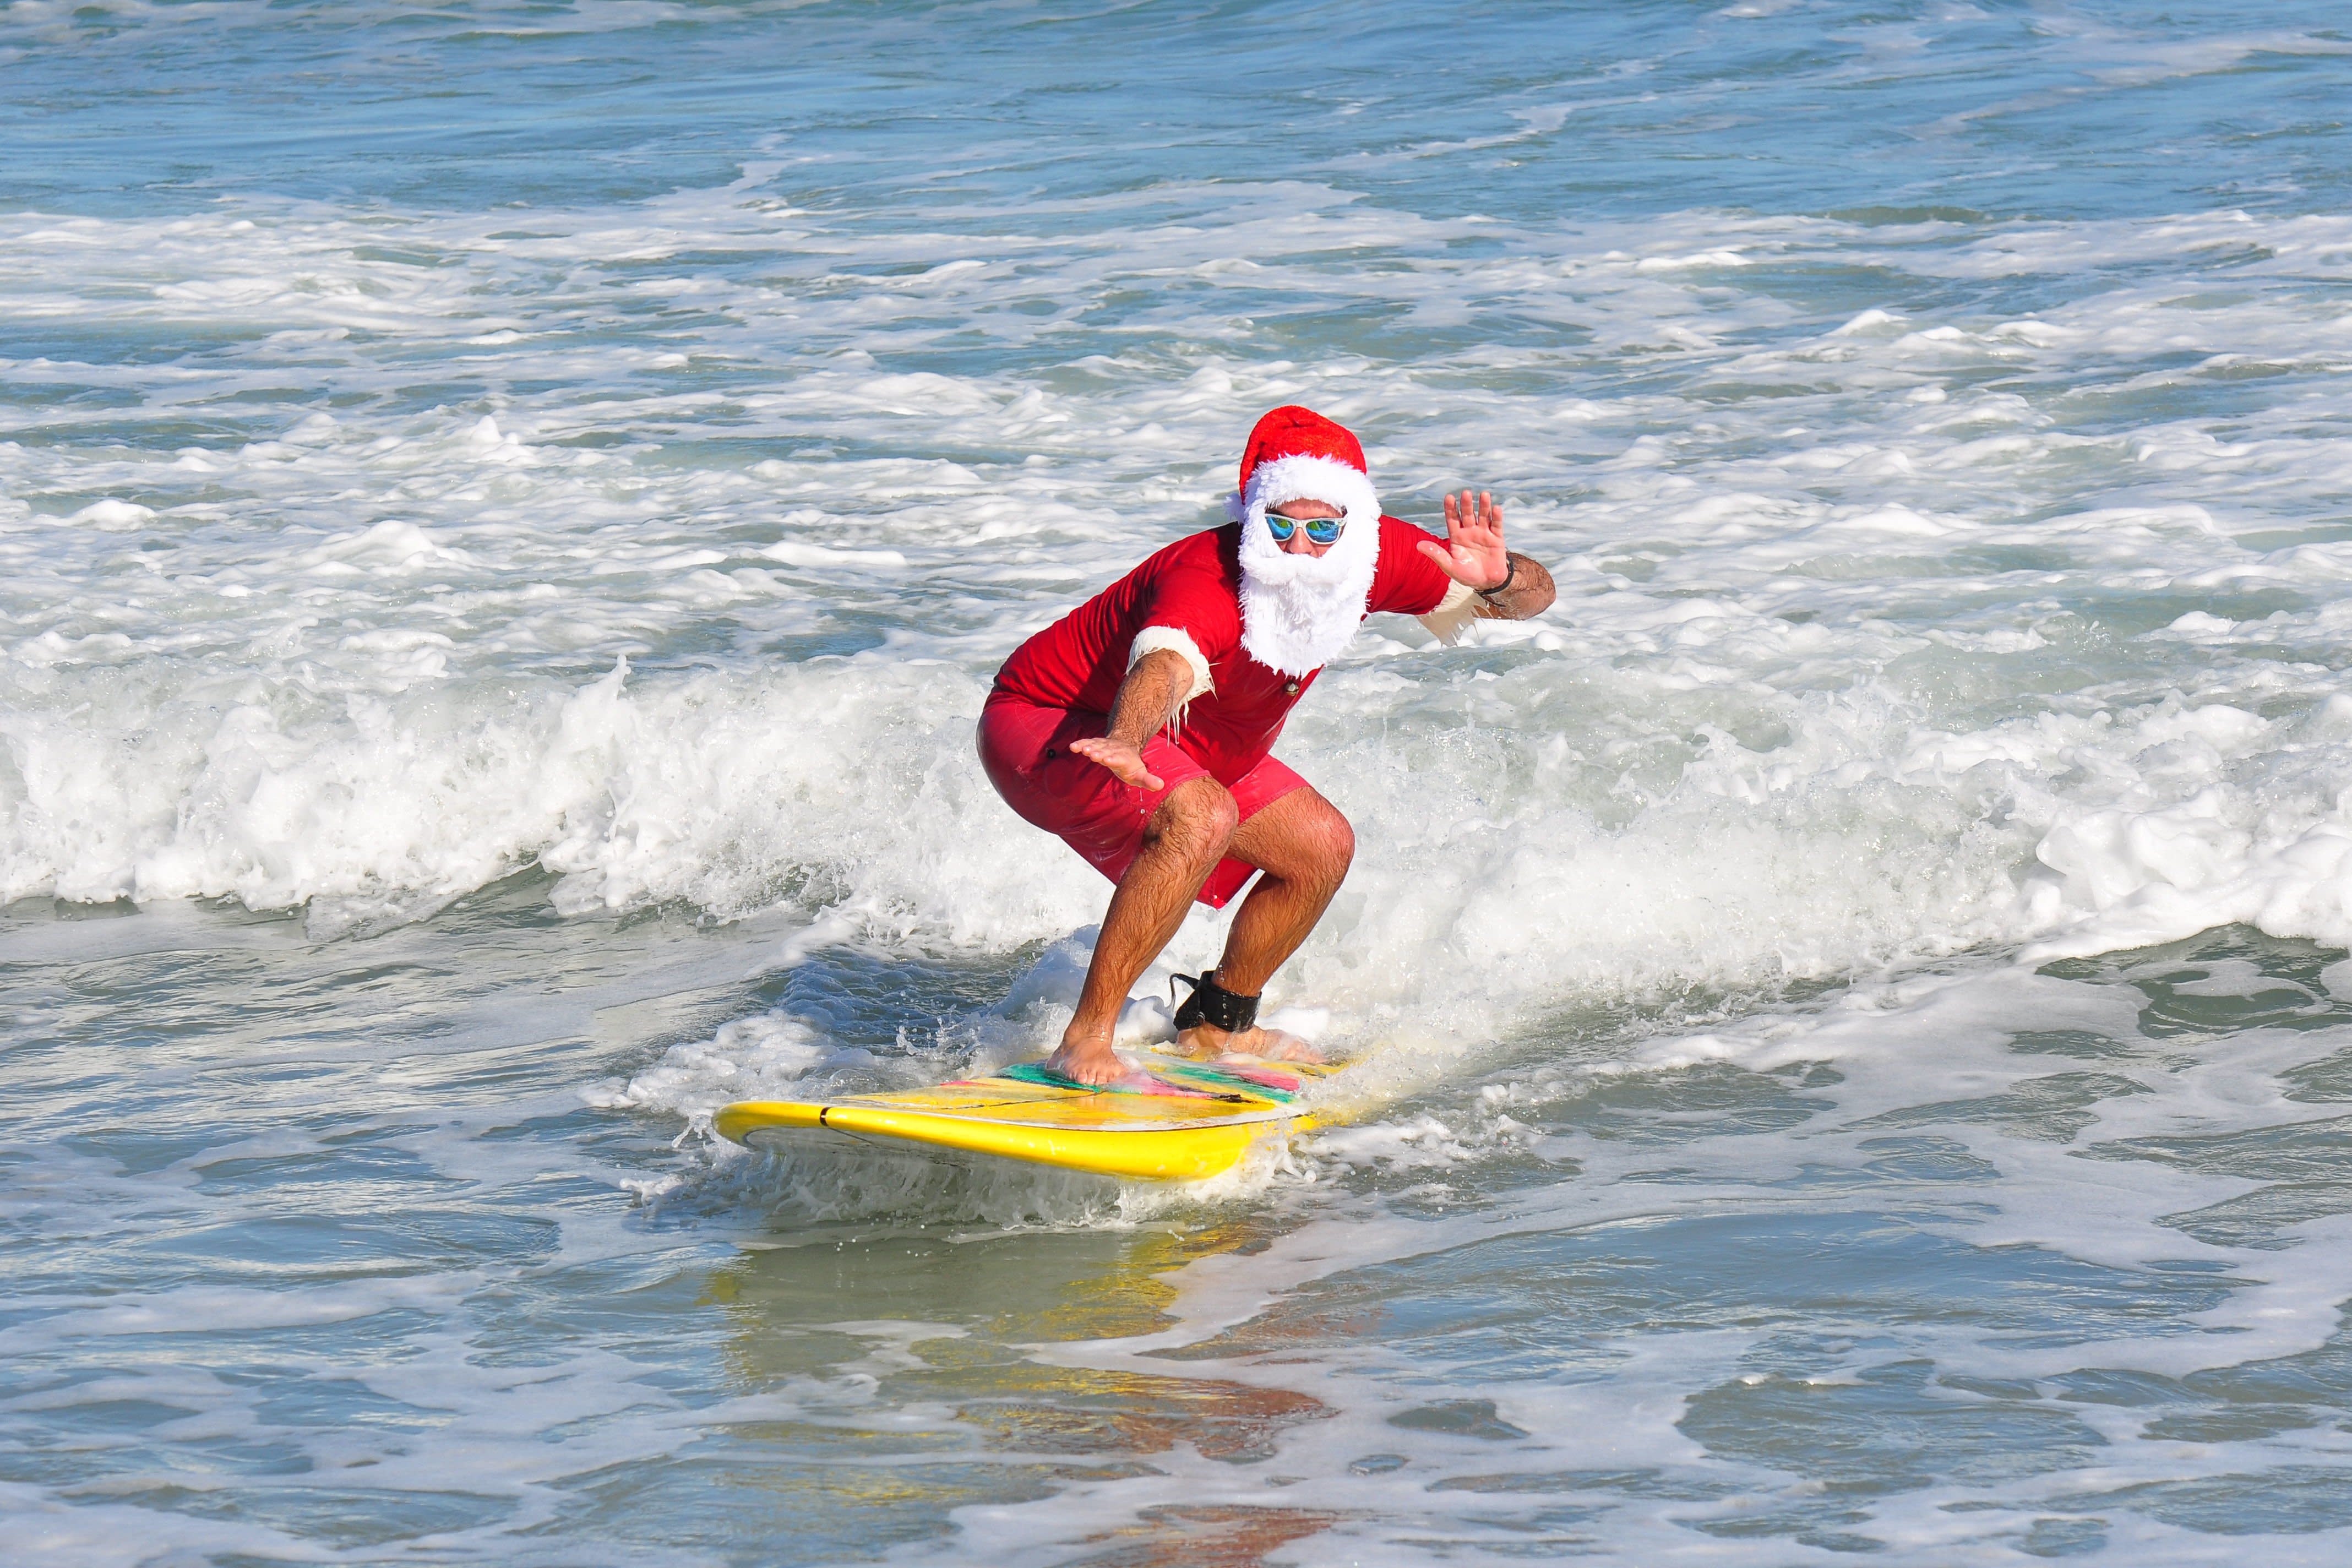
[[1138, 727]]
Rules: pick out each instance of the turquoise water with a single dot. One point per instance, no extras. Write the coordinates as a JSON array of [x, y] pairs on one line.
[[509, 514]]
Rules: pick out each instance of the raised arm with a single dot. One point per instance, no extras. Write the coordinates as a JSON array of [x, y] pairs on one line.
[[1146, 702], [1509, 585]]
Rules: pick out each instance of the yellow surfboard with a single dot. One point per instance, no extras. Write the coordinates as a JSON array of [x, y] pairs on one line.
[[1175, 1120]]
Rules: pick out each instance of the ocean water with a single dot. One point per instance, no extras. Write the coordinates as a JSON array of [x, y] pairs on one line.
[[507, 514]]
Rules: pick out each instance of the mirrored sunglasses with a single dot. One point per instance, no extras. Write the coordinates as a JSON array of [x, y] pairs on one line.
[[1319, 530]]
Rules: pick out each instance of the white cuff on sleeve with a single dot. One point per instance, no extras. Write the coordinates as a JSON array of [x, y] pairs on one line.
[[1454, 614], [1174, 639]]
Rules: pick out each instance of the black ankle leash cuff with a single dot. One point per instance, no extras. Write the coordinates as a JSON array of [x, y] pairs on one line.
[[1211, 1003]]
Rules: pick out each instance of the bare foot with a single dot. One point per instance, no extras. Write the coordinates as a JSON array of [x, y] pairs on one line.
[[1267, 1045], [1086, 1061]]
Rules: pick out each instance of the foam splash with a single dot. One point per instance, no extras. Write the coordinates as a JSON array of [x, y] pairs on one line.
[[1756, 743]]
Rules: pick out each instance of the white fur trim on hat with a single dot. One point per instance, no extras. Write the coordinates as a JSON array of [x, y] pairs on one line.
[[1304, 477]]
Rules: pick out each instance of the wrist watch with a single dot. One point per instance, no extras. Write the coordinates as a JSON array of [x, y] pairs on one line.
[[1510, 570]]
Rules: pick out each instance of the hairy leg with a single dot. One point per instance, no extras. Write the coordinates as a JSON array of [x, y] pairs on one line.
[[1182, 843], [1304, 847]]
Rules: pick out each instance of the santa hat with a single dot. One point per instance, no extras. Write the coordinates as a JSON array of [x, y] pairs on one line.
[[1295, 454]]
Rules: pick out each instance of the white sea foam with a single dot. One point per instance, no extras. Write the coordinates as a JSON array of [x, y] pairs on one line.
[[1823, 689]]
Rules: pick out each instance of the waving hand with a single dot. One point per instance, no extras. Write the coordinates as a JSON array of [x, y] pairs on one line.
[[1472, 553]]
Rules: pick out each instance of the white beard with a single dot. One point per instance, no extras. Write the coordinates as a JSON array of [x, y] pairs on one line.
[[1298, 611]]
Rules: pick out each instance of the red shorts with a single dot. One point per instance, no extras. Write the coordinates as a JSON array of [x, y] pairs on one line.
[[1027, 751]]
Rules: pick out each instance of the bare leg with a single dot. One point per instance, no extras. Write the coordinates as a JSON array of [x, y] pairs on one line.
[[1182, 843], [1304, 847]]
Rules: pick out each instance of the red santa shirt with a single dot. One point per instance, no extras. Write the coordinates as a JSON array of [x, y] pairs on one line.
[[1187, 598]]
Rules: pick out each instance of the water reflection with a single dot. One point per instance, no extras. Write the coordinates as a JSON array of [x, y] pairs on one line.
[[912, 1360]]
